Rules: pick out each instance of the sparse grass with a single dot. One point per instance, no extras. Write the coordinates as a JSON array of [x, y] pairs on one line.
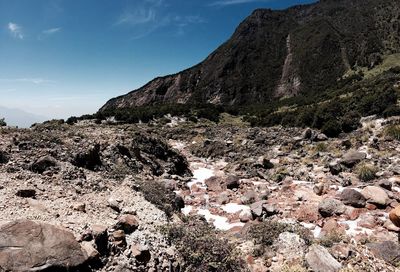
[[157, 194], [293, 268], [201, 249], [265, 234], [332, 238], [393, 131], [366, 172], [321, 147]]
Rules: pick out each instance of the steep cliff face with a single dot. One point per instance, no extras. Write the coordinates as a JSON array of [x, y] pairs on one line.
[[274, 54]]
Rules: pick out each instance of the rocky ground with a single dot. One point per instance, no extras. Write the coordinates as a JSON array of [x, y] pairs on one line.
[[87, 197]]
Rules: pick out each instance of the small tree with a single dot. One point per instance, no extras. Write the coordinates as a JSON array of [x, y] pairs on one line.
[[2, 122]]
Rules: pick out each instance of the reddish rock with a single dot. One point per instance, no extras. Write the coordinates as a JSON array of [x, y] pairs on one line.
[[128, 223], [394, 216]]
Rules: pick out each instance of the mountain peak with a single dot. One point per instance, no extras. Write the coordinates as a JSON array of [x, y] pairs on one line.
[[272, 54]]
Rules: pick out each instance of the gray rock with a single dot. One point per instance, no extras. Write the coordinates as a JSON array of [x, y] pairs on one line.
[[353, 157], [375, 195], [26, 193], [329, 207], [257, 208], [291, 246], [31, 246], [353, 198], [387, 250], [43, 164], [320, 260], [232, 182]]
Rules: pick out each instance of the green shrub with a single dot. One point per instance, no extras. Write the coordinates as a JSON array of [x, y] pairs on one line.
[[2, 122], [265, 234], [334, 237], [201, 249], [366, 172], [393, 131], [331, 128]]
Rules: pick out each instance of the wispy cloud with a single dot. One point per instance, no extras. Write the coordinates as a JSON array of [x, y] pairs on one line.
[[51, 31], [27, 80], [150, 15], [15, 30], [222, 3]]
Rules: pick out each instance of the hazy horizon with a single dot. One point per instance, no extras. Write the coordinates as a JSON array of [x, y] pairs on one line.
[[66, 58]]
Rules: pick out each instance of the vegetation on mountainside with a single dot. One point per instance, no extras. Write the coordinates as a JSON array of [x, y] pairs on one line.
[[2, 122], [334, 111]]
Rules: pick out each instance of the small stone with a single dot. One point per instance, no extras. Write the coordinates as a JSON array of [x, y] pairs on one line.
[[113, 204], [394, 216], [232, 182], [329, 207], [375, 195], [245, 216], [80, 207], [26, 193], [91, 252], [353, 157], [353, 198], [320, 260], [128, 223], [140, 253]]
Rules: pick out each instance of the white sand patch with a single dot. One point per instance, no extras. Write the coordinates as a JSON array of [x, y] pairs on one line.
[[301, 182], [234, 208], [187, 210], [354, 229], [199, 176], [316, 230], [177, 144], [219, 222]]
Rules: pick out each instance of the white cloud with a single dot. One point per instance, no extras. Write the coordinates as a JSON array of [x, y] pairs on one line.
[[150, 15], [51, 31], [234, 2], [27, 80], [15, 30]]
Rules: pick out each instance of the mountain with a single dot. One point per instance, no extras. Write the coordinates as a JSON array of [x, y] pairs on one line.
[[20, 118], [274, 54]]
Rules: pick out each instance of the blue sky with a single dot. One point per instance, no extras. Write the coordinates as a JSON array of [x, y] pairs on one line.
[[68, 57]]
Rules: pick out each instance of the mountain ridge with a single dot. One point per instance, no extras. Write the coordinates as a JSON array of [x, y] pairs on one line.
[[281, 53]]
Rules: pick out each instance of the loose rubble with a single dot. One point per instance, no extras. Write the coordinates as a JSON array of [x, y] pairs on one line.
[[81, 187]]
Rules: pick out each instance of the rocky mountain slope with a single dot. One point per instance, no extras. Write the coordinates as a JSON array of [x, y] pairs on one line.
[[273, 54], [185, 196]]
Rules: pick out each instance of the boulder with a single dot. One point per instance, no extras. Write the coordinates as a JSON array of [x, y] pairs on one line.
[[330, 206], [43, 164], [32, 246], [128, 223], [394, 216], [89, 159], [375, 195], [4, 157], [387, 250], [232, 182], [353, 198], [257, 208], [26, 193], [141, 253], [291, 246], [320, 260], [353, 157], [214, 184]]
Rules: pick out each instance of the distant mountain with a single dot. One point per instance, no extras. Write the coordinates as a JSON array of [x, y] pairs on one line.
[[300, 51], [20, 118]]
